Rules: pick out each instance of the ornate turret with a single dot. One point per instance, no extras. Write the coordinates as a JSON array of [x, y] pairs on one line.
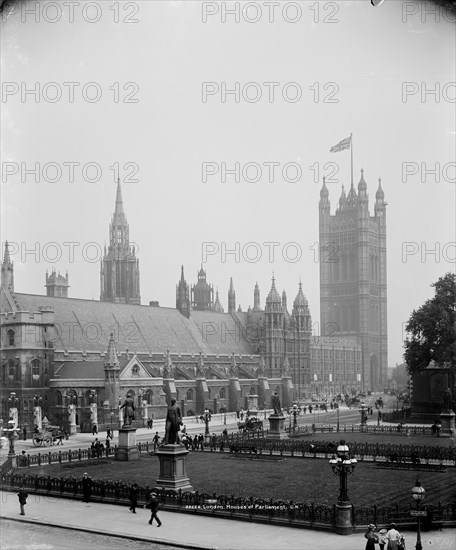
[[119, 272], [183, 295], [256, 298], [231, 298], [112, 370], [202, 293], [217, 306], [342, 199], [380, 204], [324, 199], [56, 284], [7, 278]]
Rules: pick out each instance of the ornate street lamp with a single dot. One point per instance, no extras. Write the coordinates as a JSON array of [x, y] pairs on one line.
[[418, 493], [295, 415], [207, 418], [343, 466], [363, 412]]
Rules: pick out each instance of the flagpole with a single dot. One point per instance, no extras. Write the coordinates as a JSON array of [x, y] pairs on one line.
[[351, 152]]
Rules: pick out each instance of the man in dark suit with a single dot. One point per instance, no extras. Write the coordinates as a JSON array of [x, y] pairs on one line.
[[22, 495], [153, 507], [86, 487]]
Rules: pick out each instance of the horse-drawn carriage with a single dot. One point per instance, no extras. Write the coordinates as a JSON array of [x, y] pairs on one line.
[[48, 436]]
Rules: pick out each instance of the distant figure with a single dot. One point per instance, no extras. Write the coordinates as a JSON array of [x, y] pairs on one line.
[[447, 400], [22, 495], [173, 423], [155, 440], [108, 433], [153, 507], [393, 537], [129, 412], [133, 497], [86, 487], [94, 430], [276, 404], [24, 432]]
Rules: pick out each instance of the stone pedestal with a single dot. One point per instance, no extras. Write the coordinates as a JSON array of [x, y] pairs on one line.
[[448, 424], [276, 427], [173, 475], [127, 448], [343, 518], [253, 404]]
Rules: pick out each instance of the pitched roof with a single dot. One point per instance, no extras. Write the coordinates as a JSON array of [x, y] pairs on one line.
[[85, 325]]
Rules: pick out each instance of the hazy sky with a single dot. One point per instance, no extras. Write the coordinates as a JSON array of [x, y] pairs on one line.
[[360, 56]]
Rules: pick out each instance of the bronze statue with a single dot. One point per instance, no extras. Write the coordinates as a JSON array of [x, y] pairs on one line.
[[276, 404], [173, 423], [129, 412], [447, 400]]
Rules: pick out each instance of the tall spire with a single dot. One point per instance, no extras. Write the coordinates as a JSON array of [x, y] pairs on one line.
[[7, 276], [231, 298], [119, 201], [111, 355], [6, 254], [256, 298]]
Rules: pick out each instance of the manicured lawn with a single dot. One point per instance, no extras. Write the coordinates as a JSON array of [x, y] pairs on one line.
[[306, 480]]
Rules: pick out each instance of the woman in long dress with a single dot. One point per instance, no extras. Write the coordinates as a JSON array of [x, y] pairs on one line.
[[393, 537]]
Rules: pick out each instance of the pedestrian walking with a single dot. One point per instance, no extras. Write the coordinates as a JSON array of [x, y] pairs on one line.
[[153, 505], [22, 495], [382, 540], [107, 446], [155, 440], [86, 487], [94, 430], [394, 538], [24, 433], [371, 536], [108, 433], [133, 497]]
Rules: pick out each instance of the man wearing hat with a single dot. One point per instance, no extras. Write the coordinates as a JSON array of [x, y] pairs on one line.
[[86, 487], [153, 507]]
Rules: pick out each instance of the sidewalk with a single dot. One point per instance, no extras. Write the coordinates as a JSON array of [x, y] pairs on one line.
[[191, 531]]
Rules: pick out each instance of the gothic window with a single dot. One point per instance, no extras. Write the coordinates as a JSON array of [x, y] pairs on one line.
[[344, 267], [119, 235], [345, 318], [35, 369], [190, 395], [149, 396], [352, 267], [58, 397], [135, 370], [222, 393], [11, 369], [4, 372], [337, 314], [353, 323], [336, 270], [11, 337]]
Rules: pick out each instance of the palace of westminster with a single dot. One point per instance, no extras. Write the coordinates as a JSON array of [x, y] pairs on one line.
[[62, 350]]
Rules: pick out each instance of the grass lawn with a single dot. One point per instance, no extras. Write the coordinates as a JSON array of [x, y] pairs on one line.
[[306, 480]]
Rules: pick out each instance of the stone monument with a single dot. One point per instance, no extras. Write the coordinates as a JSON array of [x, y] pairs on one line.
[[127, 448], [447, 415], [276, 420], [172, 454]]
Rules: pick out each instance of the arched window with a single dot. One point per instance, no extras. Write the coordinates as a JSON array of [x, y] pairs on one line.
[[190, 395], [58, 398], [149, 396], [222, 393], [352, 267], [11, 337], [35, 369], [4, 372]]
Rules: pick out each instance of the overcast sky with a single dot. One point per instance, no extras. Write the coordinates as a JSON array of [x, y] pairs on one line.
[[360, 56]]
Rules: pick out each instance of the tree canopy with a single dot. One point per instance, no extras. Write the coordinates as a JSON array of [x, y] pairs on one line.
[[432, 329]]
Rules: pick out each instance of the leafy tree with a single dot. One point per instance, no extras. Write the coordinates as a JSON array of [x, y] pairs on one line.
[[432, 330]]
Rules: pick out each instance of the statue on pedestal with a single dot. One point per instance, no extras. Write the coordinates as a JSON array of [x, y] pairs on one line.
[[276, 404], [129, 412], [173, 423], [447, 400]]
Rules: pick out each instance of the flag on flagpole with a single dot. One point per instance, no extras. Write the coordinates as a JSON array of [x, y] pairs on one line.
[[344, 144]]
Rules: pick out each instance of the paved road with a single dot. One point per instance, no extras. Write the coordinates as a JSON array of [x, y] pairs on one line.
[[16, 535]]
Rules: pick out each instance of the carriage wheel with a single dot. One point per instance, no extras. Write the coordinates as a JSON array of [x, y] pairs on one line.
[[37, 442], [48, 441]]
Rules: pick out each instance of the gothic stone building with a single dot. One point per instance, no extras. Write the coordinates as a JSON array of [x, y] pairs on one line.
[[67, 350]]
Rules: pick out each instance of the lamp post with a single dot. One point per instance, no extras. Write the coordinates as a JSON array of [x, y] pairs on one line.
[[343, 466], [418, 493], [37, 411], [13, 412], [207, 418], [224, 418], [363, 411], [295, 415], [93, 410], [112, 423]]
